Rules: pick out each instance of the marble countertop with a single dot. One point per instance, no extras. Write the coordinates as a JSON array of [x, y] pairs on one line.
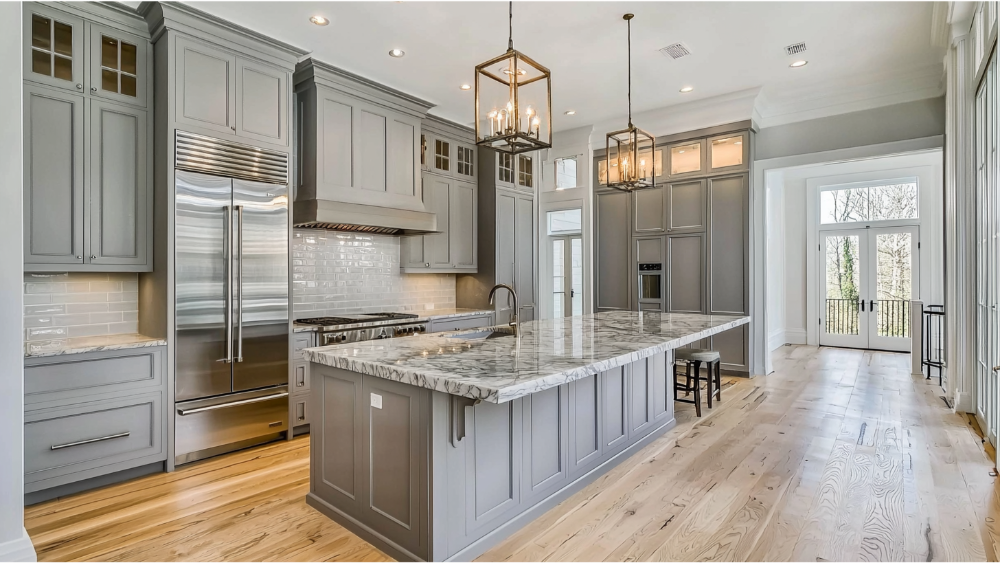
[[423, 316], [90, 344], [546, 354]]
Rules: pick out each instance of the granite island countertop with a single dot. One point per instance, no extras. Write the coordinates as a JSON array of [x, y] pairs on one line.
[[83, 344], [546, 354], [423, 315]]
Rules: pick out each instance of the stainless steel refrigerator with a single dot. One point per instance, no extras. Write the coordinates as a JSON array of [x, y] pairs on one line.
[[231, 294]]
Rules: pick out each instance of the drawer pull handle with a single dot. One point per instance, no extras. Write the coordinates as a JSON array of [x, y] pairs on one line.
[[91, 441], [184, 412]]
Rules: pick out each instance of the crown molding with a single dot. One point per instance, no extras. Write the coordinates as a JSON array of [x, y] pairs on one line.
[[779, 105], [940, 26]]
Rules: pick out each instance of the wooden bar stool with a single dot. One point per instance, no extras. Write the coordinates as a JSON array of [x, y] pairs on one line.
[[694, 358]]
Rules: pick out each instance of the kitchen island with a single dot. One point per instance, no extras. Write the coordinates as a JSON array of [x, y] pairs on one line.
[[437, 447]]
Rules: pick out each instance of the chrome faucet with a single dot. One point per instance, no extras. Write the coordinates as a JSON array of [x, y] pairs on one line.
[[513, 315]]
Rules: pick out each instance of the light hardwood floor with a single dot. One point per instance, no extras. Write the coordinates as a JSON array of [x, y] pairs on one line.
[[838, 455]]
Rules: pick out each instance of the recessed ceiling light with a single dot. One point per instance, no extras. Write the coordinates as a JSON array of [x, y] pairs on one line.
[[797, 64], [397, 53], [465, 87], [319, 20], [687, 89], [570, 112]]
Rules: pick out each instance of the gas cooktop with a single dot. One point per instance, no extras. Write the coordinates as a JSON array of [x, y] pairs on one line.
[[359, 318]]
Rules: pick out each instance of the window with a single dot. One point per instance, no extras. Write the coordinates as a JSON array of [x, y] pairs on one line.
[[118, 66], [565, 173], [465, 161], [442, 159], [566, 221], [51, 47], [506, 167], [524, 176], [881, 202]]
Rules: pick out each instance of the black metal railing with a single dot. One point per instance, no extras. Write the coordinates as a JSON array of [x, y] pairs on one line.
[[933, 345], [892, 316], [842, 316]]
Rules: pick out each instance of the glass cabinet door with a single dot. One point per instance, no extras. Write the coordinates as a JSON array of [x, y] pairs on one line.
[[117, 66], [465, 161], [686, 159], [53, 49], [728, 153]]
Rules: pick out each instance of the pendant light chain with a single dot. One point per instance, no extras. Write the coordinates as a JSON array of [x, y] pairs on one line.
[[510, 24], [629, 23]]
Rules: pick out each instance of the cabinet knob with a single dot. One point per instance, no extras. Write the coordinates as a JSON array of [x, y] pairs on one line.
[[79, 86], [79, 257], [93, 88], [427, 265], [93, 257], [233, 128]]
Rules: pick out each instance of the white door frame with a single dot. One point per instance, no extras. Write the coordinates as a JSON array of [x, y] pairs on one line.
[[876, 342], [859, 340]]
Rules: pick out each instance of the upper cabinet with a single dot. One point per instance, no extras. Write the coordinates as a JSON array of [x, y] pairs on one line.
[[686, 159], [360, 143], [728, 153], [87, 138], [220, 90], [519, 171]]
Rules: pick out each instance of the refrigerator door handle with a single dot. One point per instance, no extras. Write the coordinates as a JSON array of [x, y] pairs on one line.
[[239, 285], [228, 266]]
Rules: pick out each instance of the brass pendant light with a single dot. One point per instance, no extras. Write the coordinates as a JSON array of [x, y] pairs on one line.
[[629, 152], [513, 101]]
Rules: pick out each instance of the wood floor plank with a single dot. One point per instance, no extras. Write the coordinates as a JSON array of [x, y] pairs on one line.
[[837, 455]]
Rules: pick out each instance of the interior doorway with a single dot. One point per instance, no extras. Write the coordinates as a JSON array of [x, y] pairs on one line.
[[868, 277], [567, 276]]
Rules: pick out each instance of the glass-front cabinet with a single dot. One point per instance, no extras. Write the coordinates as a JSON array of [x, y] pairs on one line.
[[728, 153], [54, 51], [686, 159], [117, 65]]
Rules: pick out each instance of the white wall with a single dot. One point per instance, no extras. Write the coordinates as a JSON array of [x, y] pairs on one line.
[[14, 542], [775, 264], [795, 185], [574, 142]]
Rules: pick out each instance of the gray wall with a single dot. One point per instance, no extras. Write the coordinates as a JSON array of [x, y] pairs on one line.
[[911, 120], [14, 544]]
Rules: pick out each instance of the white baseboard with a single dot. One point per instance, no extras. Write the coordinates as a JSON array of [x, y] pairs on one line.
[[19, 549], [964, 403], [796, 336], [775, 340]]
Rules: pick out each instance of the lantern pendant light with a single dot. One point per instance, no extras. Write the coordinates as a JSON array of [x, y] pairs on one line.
[[629, 152], [513, 101]]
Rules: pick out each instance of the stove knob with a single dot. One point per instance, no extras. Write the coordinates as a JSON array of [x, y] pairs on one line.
[[422, 328], [343, 337], [409, 330]]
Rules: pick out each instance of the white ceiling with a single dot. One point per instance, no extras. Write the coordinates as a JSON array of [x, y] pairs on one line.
[[861, 54]]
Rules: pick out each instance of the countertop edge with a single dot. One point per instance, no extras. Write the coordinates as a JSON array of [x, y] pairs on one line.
[[516, 391], [297, 328], [95, 348]]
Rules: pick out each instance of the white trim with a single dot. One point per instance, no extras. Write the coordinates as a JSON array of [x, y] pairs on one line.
[[19, 549], [795, 336]]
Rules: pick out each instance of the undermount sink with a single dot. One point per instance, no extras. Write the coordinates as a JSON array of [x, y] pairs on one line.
[[488, 334]]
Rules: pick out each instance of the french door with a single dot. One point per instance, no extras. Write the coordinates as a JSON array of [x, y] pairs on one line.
[[987, 255], [567, 276], [868, 277]]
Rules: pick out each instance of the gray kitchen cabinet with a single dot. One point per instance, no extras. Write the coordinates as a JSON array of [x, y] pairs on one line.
[[459, 323], [261, 102], [93, 415], [686, 278], [650, 208], [53, 53], [613, 267], [300, 384], [686, 159], [524, 255], [728, 153], [686, 206], [454, 248], [206, 93], [650, 284], [518, 172], [54, 192], [728, 262], [545, 441], [118, 65], [121, 210]]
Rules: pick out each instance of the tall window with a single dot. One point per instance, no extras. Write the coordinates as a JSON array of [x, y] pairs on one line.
[[882, 202], [565, 173]]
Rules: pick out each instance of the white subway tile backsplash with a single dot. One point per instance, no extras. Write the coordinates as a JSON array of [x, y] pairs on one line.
[[59, 306], [335, 273]]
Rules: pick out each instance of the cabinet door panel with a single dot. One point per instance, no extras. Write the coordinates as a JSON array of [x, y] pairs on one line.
[[728, 244], [614, 419], [119, 214], [402, 153], [686, 273], [613, 268], [728, 153], [504, 252], [524, 251], [650, 211], [205, 93], [118, 65], [494, 461], [372, 148], [437, 248], [733, 348], [463, 225], [53, 47], [53, 177], [336, 151], [585, 414], [686, 206], [544, 438], [686, 159], [262, 102]]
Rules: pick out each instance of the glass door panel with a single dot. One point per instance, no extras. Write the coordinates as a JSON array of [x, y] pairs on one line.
[[842, 285], [558, 278], [576, 275], [567, 276], [893, 269]]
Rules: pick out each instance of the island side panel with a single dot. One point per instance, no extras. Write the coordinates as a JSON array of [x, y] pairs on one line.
[[513, 465]]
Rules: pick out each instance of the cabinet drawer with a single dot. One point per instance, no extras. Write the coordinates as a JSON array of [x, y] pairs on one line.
[[445, 325], [61, 377], [68, 440], [300, 377], [301, 341], [299, 411]]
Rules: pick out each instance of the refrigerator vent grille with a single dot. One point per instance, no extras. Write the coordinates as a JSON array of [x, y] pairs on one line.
[[199, 153]]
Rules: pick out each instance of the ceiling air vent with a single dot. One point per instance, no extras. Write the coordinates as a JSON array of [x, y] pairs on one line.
[[675, 51], [795, 48]]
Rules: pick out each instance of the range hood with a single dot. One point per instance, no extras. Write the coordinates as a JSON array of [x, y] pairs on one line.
[[360, 218]]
